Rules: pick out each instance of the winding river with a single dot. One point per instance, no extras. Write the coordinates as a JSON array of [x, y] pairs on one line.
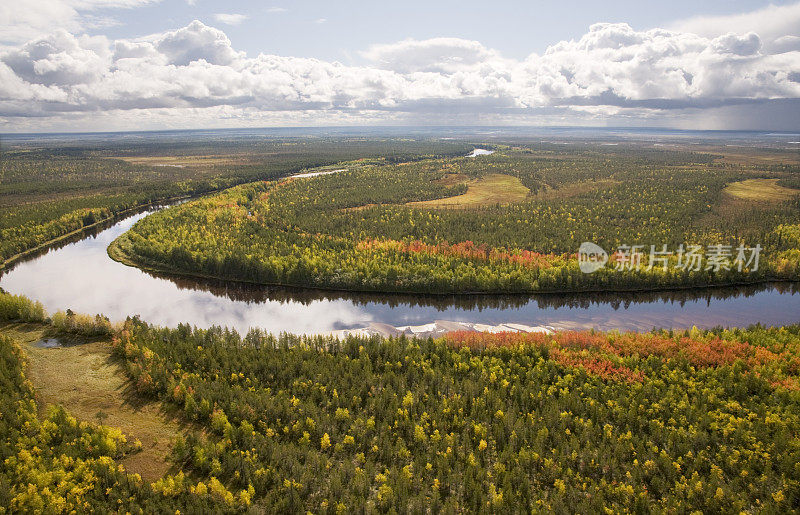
[[80, 276]]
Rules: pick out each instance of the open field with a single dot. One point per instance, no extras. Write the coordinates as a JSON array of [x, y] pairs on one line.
[[760, 190], [451, 179], [742, 154], [757, 157], [189, 161], [489, 190], [85, 379]]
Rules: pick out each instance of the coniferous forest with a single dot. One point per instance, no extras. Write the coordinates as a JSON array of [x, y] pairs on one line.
[[47, 191], [575, 421], [578, 421], [450, 225], [329, 258]]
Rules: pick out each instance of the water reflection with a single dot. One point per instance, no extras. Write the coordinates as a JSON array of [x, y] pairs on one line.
[[255, 293], [80, 275]]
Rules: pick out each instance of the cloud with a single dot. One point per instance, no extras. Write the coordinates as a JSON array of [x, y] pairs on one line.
[[230, 19], [61, 60], [196, 42], [612, 70], [438, 55], [771, 24], [22, 21], [786, 44], [275, 10], [613, 61], [320, 21]]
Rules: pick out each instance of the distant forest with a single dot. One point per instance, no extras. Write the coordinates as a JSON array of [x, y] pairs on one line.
[[49, 190], [508, 222]]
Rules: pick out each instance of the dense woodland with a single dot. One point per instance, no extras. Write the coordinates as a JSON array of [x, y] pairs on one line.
[[58, 464], [49, 191], [355, 230], [570, 422]]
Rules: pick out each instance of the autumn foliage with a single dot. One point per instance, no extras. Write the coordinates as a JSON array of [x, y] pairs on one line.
[[601, 353], [509, 422], [369, 228]]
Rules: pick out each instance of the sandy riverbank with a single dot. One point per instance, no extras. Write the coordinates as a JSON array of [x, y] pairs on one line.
[[440, 328]]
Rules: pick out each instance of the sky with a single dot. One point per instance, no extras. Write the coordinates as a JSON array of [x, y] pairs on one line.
[[97, 65]]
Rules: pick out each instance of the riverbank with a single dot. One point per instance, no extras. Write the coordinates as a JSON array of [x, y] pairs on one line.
[[120, 215], [439, 328], [117, 251], [116, 217], [68, 278]]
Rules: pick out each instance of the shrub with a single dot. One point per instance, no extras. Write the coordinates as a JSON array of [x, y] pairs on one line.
[[19, 308]]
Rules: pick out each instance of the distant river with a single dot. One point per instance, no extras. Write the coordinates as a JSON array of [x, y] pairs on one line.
[[480, 152], [80, 275]]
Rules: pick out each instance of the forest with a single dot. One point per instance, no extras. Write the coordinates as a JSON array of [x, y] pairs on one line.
[[510, 222], [568, 422], [58, 464], [572, 422], [50, 190], [662, 421], [587, 421]]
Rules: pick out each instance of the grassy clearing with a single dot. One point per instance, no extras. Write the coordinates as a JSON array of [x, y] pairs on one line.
[[760, 190], [489, 190], [204, 161], [85, 379]]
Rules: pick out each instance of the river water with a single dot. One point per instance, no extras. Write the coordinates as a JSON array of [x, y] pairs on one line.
[[79, 275]]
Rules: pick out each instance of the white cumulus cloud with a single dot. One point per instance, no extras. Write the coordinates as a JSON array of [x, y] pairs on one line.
[[25, 20], [230, 18], [612, 70], [440, 55], [771, 23], [196, 42]]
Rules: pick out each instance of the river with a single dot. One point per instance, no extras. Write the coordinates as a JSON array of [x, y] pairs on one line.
[[80, 276]]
